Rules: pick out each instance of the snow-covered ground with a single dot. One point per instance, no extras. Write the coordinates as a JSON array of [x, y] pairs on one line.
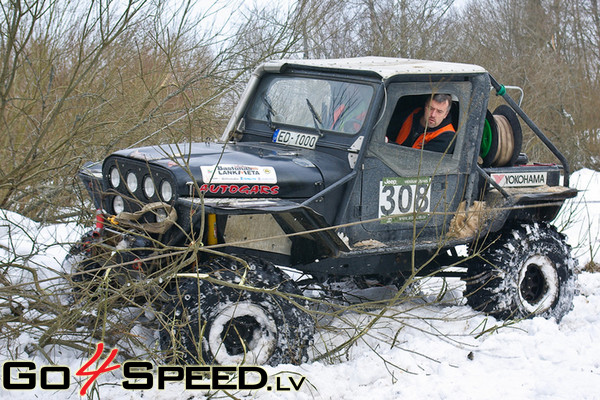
[[416, 350]]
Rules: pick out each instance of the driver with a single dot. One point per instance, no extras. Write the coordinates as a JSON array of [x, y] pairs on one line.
[[429, 127]]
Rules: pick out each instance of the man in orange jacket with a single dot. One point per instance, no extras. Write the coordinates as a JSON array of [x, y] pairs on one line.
[[429, 128]]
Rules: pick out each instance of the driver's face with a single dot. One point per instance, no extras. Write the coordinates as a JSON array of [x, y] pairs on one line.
[[435, 112]]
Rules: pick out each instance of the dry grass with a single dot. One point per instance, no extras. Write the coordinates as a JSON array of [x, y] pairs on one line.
[[73, 93], [592, 266]]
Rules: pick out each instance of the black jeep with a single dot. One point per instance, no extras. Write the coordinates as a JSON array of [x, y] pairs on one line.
[[308, 176]]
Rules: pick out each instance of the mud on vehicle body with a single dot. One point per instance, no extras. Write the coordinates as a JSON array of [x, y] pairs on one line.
[[307, 176]]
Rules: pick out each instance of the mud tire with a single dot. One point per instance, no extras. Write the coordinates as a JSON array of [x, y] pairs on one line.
[[206, 323], [526, 272]]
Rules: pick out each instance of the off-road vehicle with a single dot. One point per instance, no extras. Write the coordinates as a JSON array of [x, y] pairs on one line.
[[307, 177]]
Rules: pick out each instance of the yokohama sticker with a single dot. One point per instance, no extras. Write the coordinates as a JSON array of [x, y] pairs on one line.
[[233, 173], [521, 179]]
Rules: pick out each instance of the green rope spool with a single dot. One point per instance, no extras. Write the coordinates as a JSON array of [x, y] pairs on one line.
[[486, 140]]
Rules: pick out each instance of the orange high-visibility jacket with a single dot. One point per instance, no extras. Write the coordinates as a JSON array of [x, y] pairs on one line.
[[424, 138]]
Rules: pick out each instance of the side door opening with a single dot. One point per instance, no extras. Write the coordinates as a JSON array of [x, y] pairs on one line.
[[408, 191]]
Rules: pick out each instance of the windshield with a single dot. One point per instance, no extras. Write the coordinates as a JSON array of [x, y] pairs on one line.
[[326, 105]]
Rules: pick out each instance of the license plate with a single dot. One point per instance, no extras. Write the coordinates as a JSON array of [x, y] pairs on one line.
[[305, 140]]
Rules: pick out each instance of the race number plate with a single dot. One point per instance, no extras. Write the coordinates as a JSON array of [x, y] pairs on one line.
[[404, 199], [305, 140]]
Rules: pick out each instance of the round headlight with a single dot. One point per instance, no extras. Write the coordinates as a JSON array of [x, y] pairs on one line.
[[132, 182], [149, 187], [118, 205], [166, 191], [115, 177]]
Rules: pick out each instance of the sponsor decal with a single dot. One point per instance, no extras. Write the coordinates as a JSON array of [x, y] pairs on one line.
[[242, 189], [518, 179], [233, 173], [143, 375], [404, 199]]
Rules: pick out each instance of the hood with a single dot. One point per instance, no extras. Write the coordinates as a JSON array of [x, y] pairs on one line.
[[242, 169]]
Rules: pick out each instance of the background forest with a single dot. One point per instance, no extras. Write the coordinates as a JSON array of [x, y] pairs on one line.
[[79, 80]]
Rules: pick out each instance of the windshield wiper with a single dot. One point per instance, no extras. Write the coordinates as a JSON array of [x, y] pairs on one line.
[[315, 116], [270, 111]]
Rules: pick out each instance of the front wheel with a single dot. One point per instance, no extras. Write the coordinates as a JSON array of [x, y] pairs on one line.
[[207, 323], [526, 272]]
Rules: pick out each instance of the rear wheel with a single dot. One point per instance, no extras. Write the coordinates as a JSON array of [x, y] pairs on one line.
[[207, 323], [526, 272]]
